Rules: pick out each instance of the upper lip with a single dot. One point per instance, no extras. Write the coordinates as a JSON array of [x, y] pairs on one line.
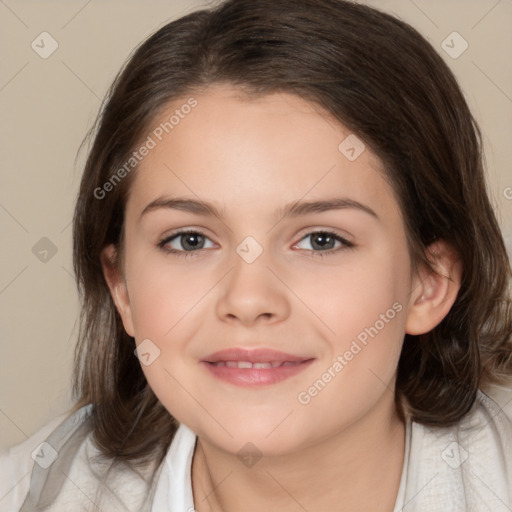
[[258, 355]]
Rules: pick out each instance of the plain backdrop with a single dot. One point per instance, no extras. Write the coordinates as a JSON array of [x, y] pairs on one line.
[[48, 104]]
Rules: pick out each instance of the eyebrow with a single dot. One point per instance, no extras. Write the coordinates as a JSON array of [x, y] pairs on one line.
[[294, 209]]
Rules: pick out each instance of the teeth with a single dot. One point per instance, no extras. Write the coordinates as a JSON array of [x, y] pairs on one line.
[[259, 366]]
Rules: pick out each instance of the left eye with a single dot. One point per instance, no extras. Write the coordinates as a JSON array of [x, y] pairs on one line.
[[323, 241]]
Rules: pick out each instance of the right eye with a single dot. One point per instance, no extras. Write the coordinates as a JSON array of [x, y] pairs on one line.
[[185, 241]]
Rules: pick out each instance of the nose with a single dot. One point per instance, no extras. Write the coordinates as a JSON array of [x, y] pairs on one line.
[[251, 294]]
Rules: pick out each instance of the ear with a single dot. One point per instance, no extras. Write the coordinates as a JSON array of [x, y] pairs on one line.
[[434, 292], [117, 286]]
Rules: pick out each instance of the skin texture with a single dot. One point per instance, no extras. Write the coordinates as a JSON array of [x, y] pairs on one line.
[[249, 157]]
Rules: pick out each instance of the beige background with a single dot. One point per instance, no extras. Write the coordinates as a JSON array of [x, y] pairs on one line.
[[46, 107]]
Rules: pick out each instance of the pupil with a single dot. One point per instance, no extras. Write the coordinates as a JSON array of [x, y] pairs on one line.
[[322, 241], [191, 241]]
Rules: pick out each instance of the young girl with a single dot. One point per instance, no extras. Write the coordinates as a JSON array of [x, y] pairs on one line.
[[294, 286]]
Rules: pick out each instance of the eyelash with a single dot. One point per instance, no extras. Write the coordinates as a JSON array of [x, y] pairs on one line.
[[190, 254]]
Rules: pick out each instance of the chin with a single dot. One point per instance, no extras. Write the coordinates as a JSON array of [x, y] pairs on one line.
[[269, 437]]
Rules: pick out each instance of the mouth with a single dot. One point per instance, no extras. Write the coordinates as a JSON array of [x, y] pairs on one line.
[[256, 367], [259, 366]]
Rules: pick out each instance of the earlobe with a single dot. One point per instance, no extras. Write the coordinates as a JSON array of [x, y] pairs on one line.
[[117, 286], [434, 291]]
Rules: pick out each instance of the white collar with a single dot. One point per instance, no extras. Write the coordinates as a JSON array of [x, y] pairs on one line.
[[174, 489]]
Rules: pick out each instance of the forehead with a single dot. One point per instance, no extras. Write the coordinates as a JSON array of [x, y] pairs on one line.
[[239, 152]]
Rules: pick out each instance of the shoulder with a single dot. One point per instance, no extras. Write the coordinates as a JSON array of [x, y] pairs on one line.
[[485, 433], [61, 465], [466, 466], [17, 462]]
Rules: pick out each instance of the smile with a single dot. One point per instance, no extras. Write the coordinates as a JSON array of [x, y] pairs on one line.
[[254, 367], [248, 364]]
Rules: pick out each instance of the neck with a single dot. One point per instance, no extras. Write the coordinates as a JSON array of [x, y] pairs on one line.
[[357, 468]]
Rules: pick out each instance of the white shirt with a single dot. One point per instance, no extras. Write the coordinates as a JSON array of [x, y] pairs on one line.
[[466, 467]]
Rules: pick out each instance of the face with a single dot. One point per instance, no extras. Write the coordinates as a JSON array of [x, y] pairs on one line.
[[294, 263]]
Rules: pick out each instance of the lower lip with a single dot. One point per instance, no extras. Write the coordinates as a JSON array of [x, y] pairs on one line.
[[253, 377]]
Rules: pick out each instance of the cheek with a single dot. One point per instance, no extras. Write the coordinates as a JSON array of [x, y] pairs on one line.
[[168, 308], [363, 357], [365, 310], [165, 304], [162, 294], [367, 290]]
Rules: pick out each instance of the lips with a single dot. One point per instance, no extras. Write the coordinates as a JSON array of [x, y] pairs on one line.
[[259, 365], [254, 367], [258, 355]]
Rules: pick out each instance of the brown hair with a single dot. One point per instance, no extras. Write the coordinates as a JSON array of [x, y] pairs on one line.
[[380, 78]]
